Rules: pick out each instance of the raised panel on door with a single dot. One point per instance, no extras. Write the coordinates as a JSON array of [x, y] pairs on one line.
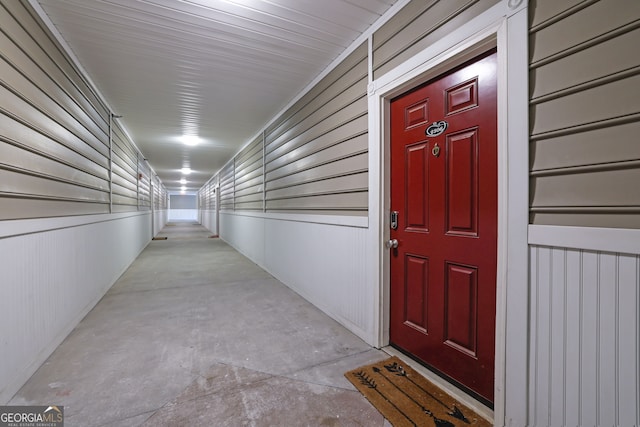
[[417, 182], [416, 291], [462, 183], [461, 303]]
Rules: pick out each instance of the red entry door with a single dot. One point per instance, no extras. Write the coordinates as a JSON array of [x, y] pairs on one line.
[[444, 188]]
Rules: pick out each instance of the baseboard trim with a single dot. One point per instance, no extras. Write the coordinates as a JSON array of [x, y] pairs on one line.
[[617, 240]]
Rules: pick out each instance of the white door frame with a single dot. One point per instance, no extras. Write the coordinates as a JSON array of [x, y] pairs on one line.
[[503, 26]]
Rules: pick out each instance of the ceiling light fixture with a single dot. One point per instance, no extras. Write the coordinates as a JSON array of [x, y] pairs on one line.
[[190, 140], [183, 188], [185, 171], [183, 181]]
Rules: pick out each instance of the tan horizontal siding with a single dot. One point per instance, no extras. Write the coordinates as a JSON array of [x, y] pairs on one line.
[[549, 11], [144, 186], [579, 190], [20, 134], [26, 208], [20, 25], [214, 192], [418, 25], [330, 86], [251, 186], [352, 201], [122, 166], [585, 113], [157, 193], [598, 104], [18, 107], [247, 173], [343, 124], [17, 157], [341, 184], [128, 172], [63, 110], [163, 202], [122, 178], [316, 153], [248, 154], [248, 184], [351, 95], [226, 187], [337, 159], [589, 67], [342, 136], [203, 197], [588, 26], [322, 101], [602, 146], [36, 104], [122, 144], [20, 184], [122, 193], [54, 132], [208, 192]]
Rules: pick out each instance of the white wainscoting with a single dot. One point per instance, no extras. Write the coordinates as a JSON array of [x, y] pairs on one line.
[[246, 234], [160, 218], [183, 214], [51, 279], [324, 263], [208, 219], [584, 333]]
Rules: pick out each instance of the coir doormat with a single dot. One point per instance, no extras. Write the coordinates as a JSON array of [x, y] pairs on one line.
[[406, 398]]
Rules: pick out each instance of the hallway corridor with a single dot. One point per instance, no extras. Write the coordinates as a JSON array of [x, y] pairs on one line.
[[195, 334]]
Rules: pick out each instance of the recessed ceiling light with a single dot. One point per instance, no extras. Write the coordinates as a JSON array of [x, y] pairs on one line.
[[185, 171], [190, 139], [183, 188], [183, 181]]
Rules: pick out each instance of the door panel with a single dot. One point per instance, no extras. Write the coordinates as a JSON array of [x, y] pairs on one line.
[[462, 183], [417, 115], [417, 284], [444, 185], [417, 184], [461, 302], [461, 97]]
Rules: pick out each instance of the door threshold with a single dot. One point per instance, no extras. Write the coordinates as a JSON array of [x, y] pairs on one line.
[[480, 408]]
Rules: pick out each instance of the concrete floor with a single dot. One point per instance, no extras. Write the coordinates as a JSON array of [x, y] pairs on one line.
[[195, 334]]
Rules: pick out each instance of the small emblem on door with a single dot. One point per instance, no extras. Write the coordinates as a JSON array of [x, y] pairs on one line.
[[436, 128]]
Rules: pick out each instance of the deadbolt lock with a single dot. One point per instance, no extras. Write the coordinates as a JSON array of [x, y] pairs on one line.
[[394, 220]]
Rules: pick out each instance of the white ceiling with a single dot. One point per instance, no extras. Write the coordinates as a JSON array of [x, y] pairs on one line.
[[219, 69]]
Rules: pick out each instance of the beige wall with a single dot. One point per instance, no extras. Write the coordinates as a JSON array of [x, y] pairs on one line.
[[585, 113], [54, 132], [312, 158]]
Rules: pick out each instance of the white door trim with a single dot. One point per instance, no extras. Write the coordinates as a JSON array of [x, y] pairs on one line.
[[505, 26]]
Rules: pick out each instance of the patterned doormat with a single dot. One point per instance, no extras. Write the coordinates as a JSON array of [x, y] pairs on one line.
[[406, 398]]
